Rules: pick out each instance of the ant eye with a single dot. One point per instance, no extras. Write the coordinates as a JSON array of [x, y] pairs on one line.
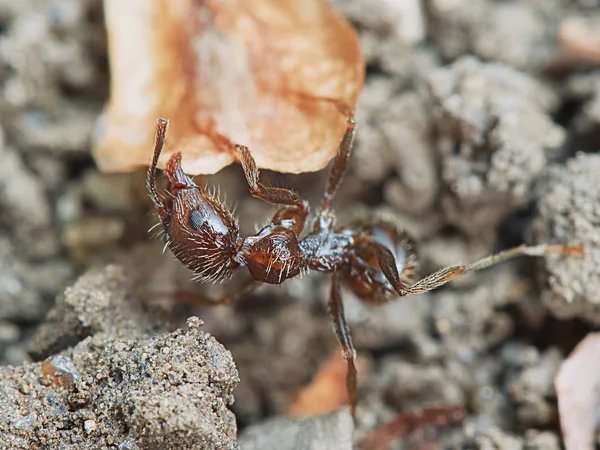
[[196, 219]]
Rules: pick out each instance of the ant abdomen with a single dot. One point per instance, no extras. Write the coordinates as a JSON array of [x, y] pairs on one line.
[[366, 279]]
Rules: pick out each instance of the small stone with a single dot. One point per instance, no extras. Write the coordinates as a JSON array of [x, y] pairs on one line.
[[9, 332], [194, 322], [61, 371], [89, 426]]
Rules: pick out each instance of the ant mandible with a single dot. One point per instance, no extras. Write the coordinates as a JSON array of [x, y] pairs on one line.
[[375, 259]]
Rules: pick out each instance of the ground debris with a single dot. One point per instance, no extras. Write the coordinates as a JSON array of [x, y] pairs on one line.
[[59, 370], [494, 135], [569, 212], [432, 417], [522, 35], [22, 197], [581, 38], [578, 390], [531, 388], [168, 391], [448, 102], [326, 392], [330, 431], [48, 48], [99, 303]]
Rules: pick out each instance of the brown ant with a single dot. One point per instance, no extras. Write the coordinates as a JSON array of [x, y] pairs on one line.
[[375, 259]]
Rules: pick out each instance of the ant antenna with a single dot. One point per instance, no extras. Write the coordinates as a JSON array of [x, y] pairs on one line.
[[159, 142]]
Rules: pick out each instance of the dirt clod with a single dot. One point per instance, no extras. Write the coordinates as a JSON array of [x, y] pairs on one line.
[[117, 386], [494, 135], [99, 303], [570, 211]]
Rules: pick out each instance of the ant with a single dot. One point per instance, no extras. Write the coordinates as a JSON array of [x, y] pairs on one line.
[[375, 258]]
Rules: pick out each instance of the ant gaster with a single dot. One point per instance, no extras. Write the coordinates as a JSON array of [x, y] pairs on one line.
[[375, 259]]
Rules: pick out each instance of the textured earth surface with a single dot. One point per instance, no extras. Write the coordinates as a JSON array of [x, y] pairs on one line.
[[478, 130]]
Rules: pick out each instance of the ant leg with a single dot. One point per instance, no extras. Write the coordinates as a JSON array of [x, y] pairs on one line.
[[249, 285], [340, 164], [436, 279], [336, 311], [273, 195], [324, 220], [159, 143], [443, 276], [293, 214], [193, 297]]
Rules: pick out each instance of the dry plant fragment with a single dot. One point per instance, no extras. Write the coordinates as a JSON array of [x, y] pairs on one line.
[[578, 389], [240, 71], [581, 39], [326, 392]]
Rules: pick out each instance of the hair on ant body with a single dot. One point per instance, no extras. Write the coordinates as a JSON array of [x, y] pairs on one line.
[[375, 259]]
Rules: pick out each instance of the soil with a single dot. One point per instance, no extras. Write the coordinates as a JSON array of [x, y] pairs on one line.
[[477, 131]]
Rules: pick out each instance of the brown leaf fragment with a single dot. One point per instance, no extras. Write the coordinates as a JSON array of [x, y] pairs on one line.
[[578, 389], [435, 417], [581, 38], [327, 390], [249, 72]]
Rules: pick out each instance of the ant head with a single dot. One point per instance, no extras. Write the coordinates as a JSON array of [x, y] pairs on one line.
[[273, 255], [200, 231]]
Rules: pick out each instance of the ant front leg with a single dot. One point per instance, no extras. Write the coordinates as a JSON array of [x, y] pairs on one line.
[[293, 214], [440, 277], [336, 311], [336, 173], [340, 163]]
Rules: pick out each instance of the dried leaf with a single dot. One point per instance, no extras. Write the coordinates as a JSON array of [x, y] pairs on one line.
[[249, 72], [581, 39], [578, 389], [327, 390]]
